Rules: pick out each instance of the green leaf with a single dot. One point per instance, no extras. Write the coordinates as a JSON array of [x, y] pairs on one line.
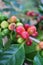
[[40, 35], [38, 60], [30, 49], [14, 55]]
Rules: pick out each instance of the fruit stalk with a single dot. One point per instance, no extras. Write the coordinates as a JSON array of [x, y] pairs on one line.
[[36, 40]]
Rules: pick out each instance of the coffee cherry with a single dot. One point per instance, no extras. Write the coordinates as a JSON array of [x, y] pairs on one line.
[[34, 28], [35, 34], [20, 29], [5, 32], [31, 30], [30, 13], [13, 19], [26, 26], [20, 40], [37, 14], [19, 24], [12, 26], [41, 45], [25, 35], [4, 24], [29, 42], [37, 48]]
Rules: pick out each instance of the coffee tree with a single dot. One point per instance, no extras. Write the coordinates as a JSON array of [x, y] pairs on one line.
[[21, 36]]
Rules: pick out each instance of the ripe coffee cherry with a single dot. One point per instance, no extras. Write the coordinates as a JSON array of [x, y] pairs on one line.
[[41, 17], [30, 13], [26, 26], [29, 42], [25, 35], [12, 26], [33, 27], [35, 34], [13, 19], [4, 24], [41, 45], [31, 30], [20, 29], [37, 14]]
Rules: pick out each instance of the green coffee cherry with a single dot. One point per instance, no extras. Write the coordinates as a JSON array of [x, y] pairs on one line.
[[19, 24], [4, 24], [5, 32], [20, 40]]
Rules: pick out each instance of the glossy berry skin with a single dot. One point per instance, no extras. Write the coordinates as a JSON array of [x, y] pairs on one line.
[[12, 26], [37, 14], [13, 19], [29, 42], [19, 24], [26, 26], [20, 29], [41, 45], [5, 32], [31, 30], [37, 48], [4, 24], [25, 35], [35, 34], [20, 40], [30, 13]]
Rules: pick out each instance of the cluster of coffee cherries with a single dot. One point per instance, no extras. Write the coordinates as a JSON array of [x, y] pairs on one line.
[[36, 18], [34, 14], [7, 26], [31, 13], [23, 31]]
